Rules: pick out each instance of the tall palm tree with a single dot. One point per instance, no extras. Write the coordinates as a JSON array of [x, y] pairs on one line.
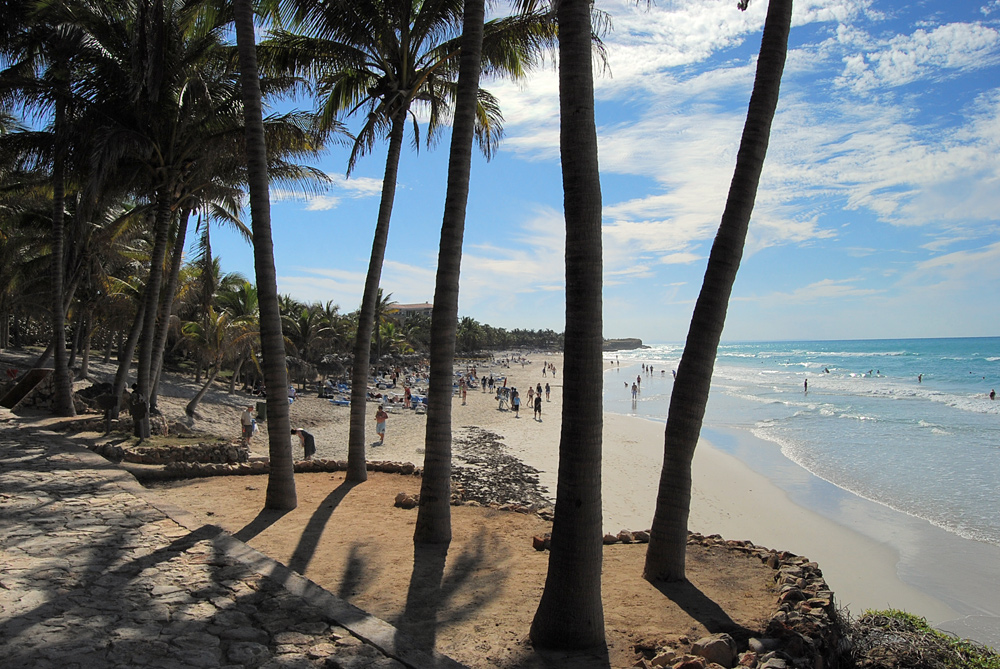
[[434, 515], [570, 614], [390, 58], [43, 50], [281, 479], [665, 556]]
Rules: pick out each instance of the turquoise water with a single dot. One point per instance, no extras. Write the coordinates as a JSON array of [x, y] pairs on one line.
[[928, 447]]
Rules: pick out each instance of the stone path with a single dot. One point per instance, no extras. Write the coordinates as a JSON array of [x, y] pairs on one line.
[[94, 575]]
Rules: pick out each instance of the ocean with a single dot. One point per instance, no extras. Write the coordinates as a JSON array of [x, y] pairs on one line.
[[905, 423]]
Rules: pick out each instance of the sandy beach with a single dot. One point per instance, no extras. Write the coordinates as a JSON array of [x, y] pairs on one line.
[[862, 563], [866, 564]]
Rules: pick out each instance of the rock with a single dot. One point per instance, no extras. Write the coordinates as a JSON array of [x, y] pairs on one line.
[[538, 542], [718, 648], [406, 468], [664, 658], [406, 501], [761, 646], [625, 537], [747, 659], [610, 539], [642, 663], [641, 537], [691, 662]]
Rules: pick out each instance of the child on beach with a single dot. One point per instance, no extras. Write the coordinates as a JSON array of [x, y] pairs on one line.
[[380, 418], [515, 401]]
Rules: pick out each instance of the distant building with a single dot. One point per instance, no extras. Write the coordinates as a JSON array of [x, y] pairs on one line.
[[404, 311]]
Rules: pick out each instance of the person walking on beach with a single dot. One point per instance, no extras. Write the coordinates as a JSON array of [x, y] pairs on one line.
[[547, 389], [993, 394], [805, 385], [246, 422], [465, 389], [380, 417], [515, 401], [538, 407], [531, 395], [306, 441]]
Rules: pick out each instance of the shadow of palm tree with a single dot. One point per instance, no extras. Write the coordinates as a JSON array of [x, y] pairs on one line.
[[313, 530], [703, 609], [265, 518], [355, 574], [430, 597]]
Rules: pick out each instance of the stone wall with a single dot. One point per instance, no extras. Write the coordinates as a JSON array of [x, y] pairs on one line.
[[218, 452]]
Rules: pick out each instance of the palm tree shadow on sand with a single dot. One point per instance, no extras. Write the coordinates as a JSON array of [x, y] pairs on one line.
[[313, 530], [699, 606], [436, 595]]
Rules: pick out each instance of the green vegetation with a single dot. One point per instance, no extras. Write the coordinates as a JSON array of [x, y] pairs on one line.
[[893, 639]]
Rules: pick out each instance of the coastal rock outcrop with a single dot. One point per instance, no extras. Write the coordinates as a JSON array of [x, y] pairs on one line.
[[627, 344]]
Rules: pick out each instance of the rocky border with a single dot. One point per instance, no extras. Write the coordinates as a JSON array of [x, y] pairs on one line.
[[200, 453], [804, 631]]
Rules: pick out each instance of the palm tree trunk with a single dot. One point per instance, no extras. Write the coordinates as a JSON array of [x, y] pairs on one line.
[[166, 304], [570, 613], [88, 332], [281, 479], [125, 353], [356, 466], [665, 555], [74, 346], [192, 406], [62, 400], [236, 374], [434, 515], [151, 300]]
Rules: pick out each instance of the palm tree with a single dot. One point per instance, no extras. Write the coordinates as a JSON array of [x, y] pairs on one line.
[[43, 51], [242, 306], [570, 614], [389, 58], [306, 329], [216, 337], [281, 479], [434, 515], [665, 556]]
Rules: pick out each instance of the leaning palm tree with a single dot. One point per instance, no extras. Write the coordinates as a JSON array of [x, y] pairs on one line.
[[391, 59], [281, 479], [570, 614], [665, 556], [434, 515], [215, 337]]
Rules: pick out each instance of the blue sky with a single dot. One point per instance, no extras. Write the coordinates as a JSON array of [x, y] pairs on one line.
[[877, 215]]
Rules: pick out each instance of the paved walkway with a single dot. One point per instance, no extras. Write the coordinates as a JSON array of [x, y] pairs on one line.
[[94, 575]]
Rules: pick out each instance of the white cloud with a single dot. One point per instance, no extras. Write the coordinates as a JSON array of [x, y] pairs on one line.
[[907, 58], [827, 289], [355, 187]]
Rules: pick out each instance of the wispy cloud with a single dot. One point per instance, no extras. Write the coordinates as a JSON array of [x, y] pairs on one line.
[[903, 59], [340, 187]]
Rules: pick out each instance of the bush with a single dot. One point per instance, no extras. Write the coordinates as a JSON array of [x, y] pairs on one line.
[[896, 640]]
